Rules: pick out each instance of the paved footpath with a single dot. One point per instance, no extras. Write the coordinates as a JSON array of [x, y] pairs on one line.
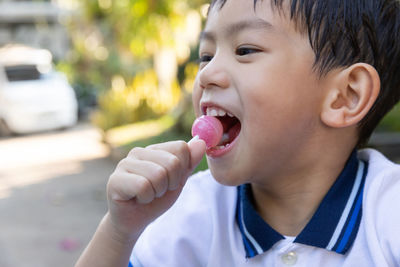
[[52, 195]]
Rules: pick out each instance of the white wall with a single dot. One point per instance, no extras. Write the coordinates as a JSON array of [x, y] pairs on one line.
[[33, 23]]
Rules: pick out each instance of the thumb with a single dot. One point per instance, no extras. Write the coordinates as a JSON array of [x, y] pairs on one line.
[[197, 149]]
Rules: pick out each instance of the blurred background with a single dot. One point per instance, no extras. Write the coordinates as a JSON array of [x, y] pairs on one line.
[[81, 83]]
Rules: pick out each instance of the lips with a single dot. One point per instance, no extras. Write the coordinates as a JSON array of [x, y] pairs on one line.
[[231, 128]]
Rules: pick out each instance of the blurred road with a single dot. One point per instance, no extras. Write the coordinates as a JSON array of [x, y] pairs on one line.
[[52, 196]]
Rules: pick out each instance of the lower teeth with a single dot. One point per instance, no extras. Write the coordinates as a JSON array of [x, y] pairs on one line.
[[225, 138]]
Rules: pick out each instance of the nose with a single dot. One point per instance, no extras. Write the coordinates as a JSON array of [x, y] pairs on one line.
[[214, 74]]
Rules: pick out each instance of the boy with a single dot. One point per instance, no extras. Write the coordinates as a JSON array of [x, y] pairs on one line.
[[298, 86]]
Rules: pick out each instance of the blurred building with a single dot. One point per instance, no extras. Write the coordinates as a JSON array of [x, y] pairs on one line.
[[34, 23]]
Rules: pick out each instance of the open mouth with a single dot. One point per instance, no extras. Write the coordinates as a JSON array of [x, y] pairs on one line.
[[231, 126]]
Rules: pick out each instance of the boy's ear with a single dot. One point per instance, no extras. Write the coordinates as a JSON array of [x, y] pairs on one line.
[[350, 96]]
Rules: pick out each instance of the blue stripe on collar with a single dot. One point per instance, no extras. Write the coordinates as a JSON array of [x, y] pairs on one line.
[[333, 226], [257, 235]]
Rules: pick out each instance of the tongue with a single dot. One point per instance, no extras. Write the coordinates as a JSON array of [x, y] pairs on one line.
[[231, 134]]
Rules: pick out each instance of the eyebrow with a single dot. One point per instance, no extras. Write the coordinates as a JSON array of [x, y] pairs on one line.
[[235, 28]]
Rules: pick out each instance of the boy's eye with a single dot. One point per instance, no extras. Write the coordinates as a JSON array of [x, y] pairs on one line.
[[205, 58], [242, 51]]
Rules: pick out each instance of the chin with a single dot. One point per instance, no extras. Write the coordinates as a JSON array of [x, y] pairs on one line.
[[227, 178]]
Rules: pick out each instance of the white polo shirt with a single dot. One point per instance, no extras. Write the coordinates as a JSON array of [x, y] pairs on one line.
[[356, 225]]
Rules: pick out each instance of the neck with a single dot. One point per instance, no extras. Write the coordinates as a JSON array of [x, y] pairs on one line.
[[288, 203]]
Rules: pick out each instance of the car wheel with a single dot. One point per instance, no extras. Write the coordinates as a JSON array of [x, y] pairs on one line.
[[4, 129]]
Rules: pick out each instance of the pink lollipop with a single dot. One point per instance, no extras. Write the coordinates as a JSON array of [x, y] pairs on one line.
[[209, 129]]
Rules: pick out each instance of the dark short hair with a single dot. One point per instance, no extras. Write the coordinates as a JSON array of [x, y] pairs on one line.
[[345, 32]]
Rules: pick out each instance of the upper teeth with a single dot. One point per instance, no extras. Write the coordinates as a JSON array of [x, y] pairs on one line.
[[213, 111]]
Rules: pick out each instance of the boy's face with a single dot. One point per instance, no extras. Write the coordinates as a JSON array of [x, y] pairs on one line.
[[255, 66]]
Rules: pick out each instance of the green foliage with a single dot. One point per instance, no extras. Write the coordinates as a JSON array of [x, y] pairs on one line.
[[391, 122], [123, 39], [116, 111]]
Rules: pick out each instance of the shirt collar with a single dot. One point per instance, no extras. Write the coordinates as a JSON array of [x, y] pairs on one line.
[[333, 226]]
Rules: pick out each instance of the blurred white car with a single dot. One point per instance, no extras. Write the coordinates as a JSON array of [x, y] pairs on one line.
[[33, 96]]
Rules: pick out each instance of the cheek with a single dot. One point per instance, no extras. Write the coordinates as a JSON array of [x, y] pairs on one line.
[[272, 117], [196, 96]]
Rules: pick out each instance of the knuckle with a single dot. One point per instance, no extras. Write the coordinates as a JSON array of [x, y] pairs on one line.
[[122, 163], [160, 173], [160, 182], [143, 185], [173, 163], [113, 187], [145, 193], [184, 153], [152, 146], [135, 151], [182, 146], [113, 176]]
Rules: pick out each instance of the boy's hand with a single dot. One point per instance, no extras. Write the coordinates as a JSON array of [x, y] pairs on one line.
[[147, 182]]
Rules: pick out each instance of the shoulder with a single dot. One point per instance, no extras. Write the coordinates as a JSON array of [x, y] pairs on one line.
[[383, 175], [382, 185], [377, 160], [381, 208], [187, 227]]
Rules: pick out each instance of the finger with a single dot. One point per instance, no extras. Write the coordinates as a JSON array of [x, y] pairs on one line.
[[173, 164], [178, 148], [126, 186], [182, 151], [155, 173], [197, 148]]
